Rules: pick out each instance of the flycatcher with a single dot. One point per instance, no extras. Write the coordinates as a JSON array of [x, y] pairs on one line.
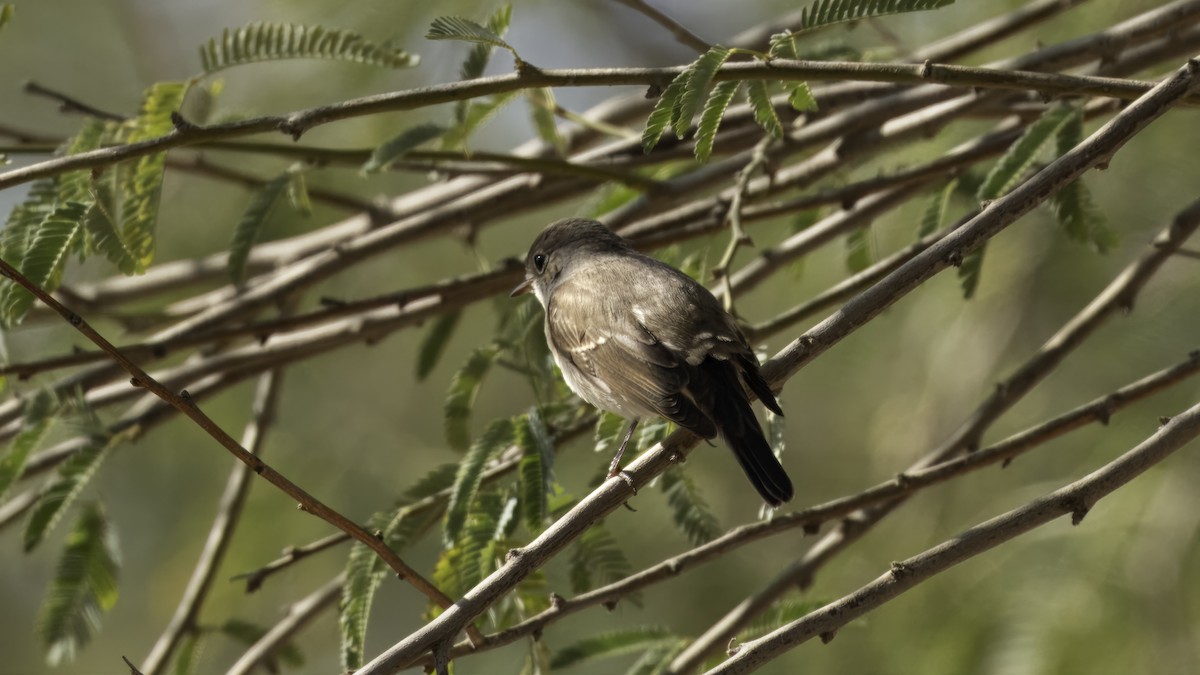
[[637, 337]]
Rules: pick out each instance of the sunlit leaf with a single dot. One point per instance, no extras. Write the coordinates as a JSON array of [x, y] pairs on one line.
[[498, 436], [84, 587], [460, 398], [396, 148], [263, 41], [710, 118], [764, 110], [697, 86], [826, 12]]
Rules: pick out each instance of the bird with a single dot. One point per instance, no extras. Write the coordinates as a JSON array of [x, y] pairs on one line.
[[634, 336]]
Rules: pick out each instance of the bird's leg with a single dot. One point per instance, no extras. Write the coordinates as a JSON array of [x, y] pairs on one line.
[[615, 467]]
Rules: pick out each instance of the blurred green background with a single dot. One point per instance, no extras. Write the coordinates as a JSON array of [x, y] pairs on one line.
[[1120, 593]]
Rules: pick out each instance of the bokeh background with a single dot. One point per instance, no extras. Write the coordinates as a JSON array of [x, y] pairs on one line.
[[1120, 593]]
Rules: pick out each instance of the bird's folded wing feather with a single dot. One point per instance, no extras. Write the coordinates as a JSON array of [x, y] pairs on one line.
[[607, 343]]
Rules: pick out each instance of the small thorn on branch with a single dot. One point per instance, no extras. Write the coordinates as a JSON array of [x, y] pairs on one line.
[[828, 636]]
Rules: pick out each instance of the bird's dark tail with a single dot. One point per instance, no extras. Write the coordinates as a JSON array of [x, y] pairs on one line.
[[734, 417]]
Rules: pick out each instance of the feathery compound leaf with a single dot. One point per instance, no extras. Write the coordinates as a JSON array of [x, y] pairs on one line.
[[496, 437], [43, 260], [472, 117], [1073, 205], [464, 386], [140, 180], [76, 186], [542, 107], [969, 272], [60, 492], [689, 509], [40, 415], [858, 249], [764, 111], [83, 588], [188, 656], [458, 28], [935, 210], [826, 12], [783, 46], [251, 222], [596, 558], [434, 343], [664, 111], [261, 41], [364, 573], [696, 88], [657, 659], [535, 473], [1022, 153], [408, 140], [613, 643], [710, 119], [102, 228], [477, 59], [801, 98]]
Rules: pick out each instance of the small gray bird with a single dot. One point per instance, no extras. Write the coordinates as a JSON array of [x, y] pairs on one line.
[[637, 337]]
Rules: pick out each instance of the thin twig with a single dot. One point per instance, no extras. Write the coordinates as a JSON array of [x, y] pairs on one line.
[[615, 491], [809, 519], [1116, 297], [220, 535], [297, 616], [684, 36], [185, 405], [1075, 499]]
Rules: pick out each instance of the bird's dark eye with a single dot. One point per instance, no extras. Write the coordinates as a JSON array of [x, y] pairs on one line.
[[539, 262]]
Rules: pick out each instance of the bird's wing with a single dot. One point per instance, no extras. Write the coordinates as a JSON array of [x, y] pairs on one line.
[[606, 342]]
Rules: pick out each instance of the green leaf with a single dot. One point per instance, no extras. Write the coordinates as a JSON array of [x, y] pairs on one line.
[[783, 45], [84, 587], [595, 559], [297, 191], [689, 509], [610, 429], [460, 399], [6, 13], [364, 572], [1021, 154], [542, 107], [969, 272], [458, 28], [1073, 205], [664, 111], [251, 222], [764, 111], [387, 153], [935, 211], [497, 437], [535, 472], [43, 261], [696, 88], [140, 180], [76, 186], [249, 633], [472, 117], [826, 12], [477, 59], [40, 415], [858, 249], [657, 659], [60, 492], [473, 554], [434, 343], [612, 643], [103, 229], [187, 659], [801, 98], [782, 612], [263, 41], [710, 119]]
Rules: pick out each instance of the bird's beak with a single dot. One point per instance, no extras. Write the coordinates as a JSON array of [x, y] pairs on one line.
[[522, 288]]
